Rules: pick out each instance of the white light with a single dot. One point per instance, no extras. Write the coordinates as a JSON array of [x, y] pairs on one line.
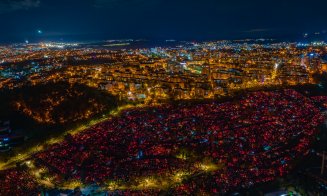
[[276, 66]]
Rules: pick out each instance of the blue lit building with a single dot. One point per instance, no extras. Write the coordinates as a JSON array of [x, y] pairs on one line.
[[7, 138]]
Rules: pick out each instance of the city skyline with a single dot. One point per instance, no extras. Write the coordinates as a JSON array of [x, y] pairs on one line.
[[163, 97]]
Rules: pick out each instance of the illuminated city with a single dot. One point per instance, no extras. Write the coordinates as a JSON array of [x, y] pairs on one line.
[[240, 113]]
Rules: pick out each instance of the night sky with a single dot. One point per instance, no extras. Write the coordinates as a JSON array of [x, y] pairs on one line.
[[79, 20]]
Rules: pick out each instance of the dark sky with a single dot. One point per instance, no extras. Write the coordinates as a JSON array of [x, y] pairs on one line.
[[158, 19]]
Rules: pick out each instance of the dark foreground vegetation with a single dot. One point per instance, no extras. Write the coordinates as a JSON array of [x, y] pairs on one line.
[[43, 111]]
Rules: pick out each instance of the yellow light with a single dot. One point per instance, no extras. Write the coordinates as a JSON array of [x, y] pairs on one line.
[[112, 185], [179, 176], [208, 167]]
